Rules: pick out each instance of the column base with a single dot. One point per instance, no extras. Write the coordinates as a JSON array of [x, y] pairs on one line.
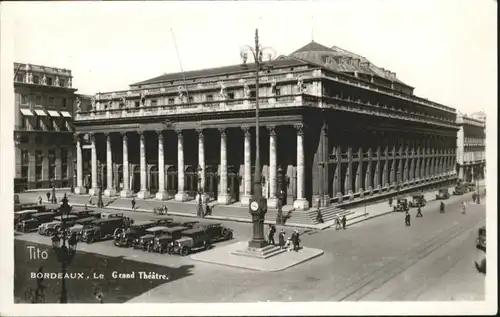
[[224, 199], [126, 193], [161, 195], [301, 204], [94, 191], [80, 190], [351, 195], [181, 196], [245, 200], [144, 194], [110, 192], [340, 198]]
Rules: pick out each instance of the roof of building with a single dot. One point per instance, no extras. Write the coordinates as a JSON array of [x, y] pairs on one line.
[[313, 46], [218, 71]]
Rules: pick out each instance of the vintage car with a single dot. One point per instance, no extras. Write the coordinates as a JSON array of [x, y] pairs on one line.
[[163, 243], [101, 229], [401, 205], [163, 221], [480, 262], [81, 224], [34, 221], [189, 224], [126, 237], [31, 206], [50, 228], [68, 219], [216, 231], [80, 214], [191, 240], [145, 242], [23, 214], [460, 190], [108, 215], [95, 213], [417, 200], [443, 194]]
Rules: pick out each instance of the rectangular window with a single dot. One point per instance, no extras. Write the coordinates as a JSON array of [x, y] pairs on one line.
[[24, 99], [49, 81], [36, 79], [20, 78], [38, 100], [137, 104], [191, 99], [210, 97], [61, 82], [24, 157], [170, 101], [154, 103], [64, 104], [38, 157], [38, 173], [278, 92], [24, 171], [24, 139], [64, 156], [252, 94], [230, 95], [51, 101]]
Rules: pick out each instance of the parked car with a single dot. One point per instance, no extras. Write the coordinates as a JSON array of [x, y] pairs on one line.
[[216, 231], [31, 206], [443, 194], [418, 200], [108, 215], [82, 224], [80, 214], [401, 205], [145, 242], [95, 213], [101, 229], [192, 240], [460, 190], [68, 219], [23, 214], [125, 237], [34, 221], [50, 228], [163, 243], [480, 262]]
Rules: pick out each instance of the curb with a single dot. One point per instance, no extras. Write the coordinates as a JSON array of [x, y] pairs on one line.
[[368, 217]]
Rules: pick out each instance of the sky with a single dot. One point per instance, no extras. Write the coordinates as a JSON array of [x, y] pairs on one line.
[[447, 50]]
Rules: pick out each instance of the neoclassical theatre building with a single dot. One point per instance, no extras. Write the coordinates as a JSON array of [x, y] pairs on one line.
[[471, 145], [335, 129]]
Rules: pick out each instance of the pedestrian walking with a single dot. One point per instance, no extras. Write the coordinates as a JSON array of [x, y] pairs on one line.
[[85, 207], [441, 207], [90, 199], [288, 244], [344, 220], [390, 201], [296, 240], [39, 200], [419, 212], [407, 219], [337, 223], [270, 235], [474, 197], [281, 238], [133, 203], [463, 207], [48, 196], [319, 217]]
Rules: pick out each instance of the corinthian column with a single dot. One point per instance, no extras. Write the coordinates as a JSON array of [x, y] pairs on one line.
[[301, 202], [181, 193], [79, 168], [144, 193], [245, 200], [201, 163], [368, 174], [110, 188], [94, 191], [126, 192], [162, 193], [272, 202], [223, 197]]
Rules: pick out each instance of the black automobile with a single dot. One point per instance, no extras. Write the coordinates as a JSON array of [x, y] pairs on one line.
[[101, 229], [402, 205], [443, 193], [216, 231], [192, 240], [126, 237], [163, 243], [32, 223], [417, 200], [80, 214], [145, 242], [23, 215]]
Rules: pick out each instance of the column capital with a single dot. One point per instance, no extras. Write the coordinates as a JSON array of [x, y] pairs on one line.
[[246, 130], [124, 136], [272, 129], [92, 137], [222, 132], [159, 132], [300, 128], [141, 133], [199, 131], [107, 134], [179, 134]]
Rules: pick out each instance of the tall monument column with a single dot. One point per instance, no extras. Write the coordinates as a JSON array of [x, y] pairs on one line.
[[181, 193], [94, 191], [162, 193], [126, 192], [79, 189], [144, 193], [272, 202], [110, 190], [301, 202], [245, 200], [223, 197]]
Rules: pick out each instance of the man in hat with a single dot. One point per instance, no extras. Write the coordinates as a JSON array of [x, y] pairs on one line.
[[133, 203], [407, 219], [296, 240], [270, 235], [48, 197], [281, 238], [419, 212], [344, 220]]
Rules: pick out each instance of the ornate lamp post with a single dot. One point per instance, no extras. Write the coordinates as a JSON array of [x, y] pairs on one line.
[[200, 193], [258, 204], [65, 249]]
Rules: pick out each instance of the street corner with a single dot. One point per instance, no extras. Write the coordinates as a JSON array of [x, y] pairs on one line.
[[226, 256]]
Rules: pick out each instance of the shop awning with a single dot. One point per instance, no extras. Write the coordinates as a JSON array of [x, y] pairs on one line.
[[27, 112], [66, 114], [53, 113], [40, 112]]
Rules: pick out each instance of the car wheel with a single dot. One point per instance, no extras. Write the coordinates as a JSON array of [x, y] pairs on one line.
[[229, 235], [184, 251], [90, 240]]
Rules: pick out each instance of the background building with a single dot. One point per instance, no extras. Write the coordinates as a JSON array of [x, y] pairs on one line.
[[335, 130], [471, 146], [43, 127]]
